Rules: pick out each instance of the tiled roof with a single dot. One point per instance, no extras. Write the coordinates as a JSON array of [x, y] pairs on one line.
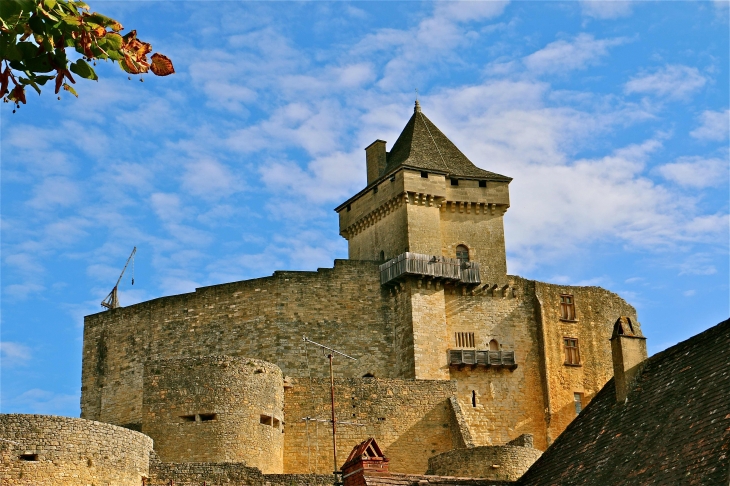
[[674, 427], [421, 145], [395, 479]]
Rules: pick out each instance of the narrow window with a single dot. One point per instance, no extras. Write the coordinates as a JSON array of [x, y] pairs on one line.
[[349, 207], [265, 419], [375, 190], [482, 183], [424, 174], [368, 375], [28, 457], [572, 354], [464, 339], [206, 417], [578, 400], [188, 418], [493, 345], [276, 423], [382, 256], [462, 253], [474, 398], [567, 307], [454, 182]]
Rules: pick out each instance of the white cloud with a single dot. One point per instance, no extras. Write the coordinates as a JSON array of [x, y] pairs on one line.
[[561, 56], [606, 9], [167, 206], [43, 402], [467, 11], [671, 81], [689, 293], [715, 125], [698, 263], [13, 354], [696, 172], [209, 179], [53, 192]]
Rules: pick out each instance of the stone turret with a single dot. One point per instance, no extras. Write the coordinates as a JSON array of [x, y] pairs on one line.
[[426, 197]]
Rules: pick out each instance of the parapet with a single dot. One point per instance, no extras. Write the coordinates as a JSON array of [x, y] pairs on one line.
[[500, 463], [58, 451], [215, 409]]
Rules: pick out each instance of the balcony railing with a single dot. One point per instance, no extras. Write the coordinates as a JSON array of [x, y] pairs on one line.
[[474, 358], [437, 267]]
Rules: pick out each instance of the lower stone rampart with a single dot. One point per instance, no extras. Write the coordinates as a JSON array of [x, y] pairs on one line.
[[42, 450], [500, 463], [229, 474]]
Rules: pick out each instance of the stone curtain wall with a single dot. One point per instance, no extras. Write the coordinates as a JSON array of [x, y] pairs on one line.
[[499, 404], [70, 451], [505, 463], [410, 419], [210, 409], [263, 318], [596, 311]]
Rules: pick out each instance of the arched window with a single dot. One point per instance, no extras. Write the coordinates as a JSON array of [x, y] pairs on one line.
[[368, 375], [382, 256], [462, 253], [493, 345]]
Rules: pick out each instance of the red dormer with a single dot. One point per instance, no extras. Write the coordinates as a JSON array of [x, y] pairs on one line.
[[365, 458]]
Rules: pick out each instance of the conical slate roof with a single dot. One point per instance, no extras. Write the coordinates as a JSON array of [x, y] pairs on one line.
[[421, 145]]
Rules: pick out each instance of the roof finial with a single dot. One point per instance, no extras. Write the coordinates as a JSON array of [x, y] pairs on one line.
[[417, 109]]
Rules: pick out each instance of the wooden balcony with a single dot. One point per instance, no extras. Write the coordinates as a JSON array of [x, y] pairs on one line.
[[489, 359], [436, 267]]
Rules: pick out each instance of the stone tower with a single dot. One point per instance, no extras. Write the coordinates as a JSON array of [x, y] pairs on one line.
[[427, 198]]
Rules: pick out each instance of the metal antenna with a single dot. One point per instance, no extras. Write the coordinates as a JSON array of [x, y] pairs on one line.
[[330, 356], [112, 300]]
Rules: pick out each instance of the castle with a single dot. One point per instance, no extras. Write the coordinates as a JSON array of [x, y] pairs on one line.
[[451, 351]]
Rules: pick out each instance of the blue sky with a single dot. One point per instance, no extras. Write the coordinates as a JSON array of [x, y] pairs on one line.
[[612, 118]]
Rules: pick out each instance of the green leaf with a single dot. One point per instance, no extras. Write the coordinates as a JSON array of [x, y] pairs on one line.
[[12, 8], [36, 24], [70, 90], [27, 49], [72, 20], [12, 53], [113, 41], [31, 82], [39, 64], [83, 69], [43, 79], [50, 4]]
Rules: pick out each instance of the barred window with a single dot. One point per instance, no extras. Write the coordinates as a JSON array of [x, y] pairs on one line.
[[572, 354], [567, 307], [464, 339], [462, 253]]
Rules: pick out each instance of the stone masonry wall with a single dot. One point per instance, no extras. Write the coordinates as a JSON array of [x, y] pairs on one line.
[[505, 463], [499, 403], [596, 311], [215, 409], [44, 450], [411, 420], [263, 318]]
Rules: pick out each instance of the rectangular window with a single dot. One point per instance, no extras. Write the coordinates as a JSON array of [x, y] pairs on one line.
[[567, 307], [454, 182], [349, 207], [482, 183], [375, 190], [578, 400], [205, 417], [464, 339], [572, 354], [28, 457], [424, 174], [188, 418]]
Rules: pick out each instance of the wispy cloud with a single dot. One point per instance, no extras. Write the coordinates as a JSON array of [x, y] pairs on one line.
[[42, 402], [714, 125], [568, 55], [671, 81], [696, 172], [14, 354], [606, 9]]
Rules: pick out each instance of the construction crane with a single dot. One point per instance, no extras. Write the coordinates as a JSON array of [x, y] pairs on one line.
[[112, 300]]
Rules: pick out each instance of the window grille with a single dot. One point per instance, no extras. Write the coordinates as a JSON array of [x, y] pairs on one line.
[[464, 339], [567, 307], [572, 354]]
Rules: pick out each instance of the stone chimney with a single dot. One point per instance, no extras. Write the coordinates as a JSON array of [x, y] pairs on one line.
[[628, 349], [365, 458], [375, 157]]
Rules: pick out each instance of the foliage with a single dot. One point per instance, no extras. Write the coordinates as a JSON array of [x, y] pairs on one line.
[[35, 36]]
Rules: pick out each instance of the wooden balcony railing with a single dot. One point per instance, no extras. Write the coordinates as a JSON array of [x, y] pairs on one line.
[[437, 267], [474, 358]]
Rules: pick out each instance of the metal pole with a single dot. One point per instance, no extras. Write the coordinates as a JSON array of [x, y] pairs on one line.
[[334, 420]]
